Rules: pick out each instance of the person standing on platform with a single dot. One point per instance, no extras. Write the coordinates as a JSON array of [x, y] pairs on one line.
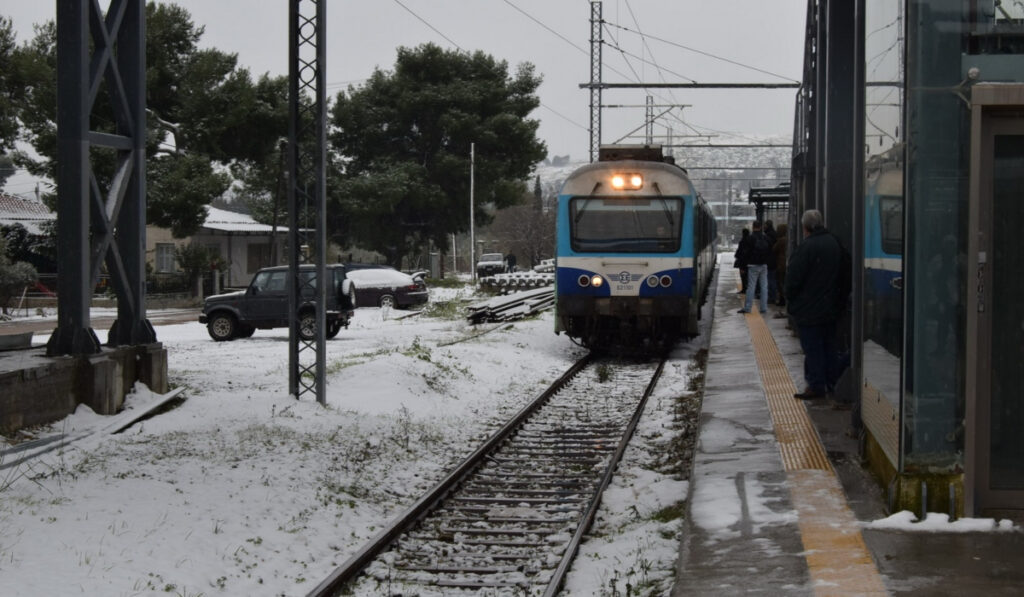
[[773, 289], [812, 298], [742, 253], [757, 269], [779, 250]]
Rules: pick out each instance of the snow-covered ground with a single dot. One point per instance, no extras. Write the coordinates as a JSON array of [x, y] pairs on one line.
[[242, 490]]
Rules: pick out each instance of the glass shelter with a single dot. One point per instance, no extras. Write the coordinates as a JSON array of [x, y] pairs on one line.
[[932, 203]]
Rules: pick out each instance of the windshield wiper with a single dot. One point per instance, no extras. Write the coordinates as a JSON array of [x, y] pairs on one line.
[[668, 213]]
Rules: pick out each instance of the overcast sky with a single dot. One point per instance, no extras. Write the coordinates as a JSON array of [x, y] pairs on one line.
[[554, 36]]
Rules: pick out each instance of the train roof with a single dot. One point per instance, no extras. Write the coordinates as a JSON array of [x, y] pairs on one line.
[[659, 179], [888, 182]]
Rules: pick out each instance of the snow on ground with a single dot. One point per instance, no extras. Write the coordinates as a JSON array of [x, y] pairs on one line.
[[939, 522], [242, 490]]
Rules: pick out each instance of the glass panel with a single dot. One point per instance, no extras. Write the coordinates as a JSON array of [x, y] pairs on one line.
[[883, 199], [641, 225], [1007, 313], [936, 195], [996, 27]]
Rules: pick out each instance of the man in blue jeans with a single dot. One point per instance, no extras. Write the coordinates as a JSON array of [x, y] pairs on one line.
[[757, 268], [813, 299]]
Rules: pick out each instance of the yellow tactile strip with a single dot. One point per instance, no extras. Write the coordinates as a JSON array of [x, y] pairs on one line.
[[797, 437], [837, 558]]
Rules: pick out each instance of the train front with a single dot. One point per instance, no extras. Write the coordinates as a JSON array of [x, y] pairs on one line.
[[625, 260]]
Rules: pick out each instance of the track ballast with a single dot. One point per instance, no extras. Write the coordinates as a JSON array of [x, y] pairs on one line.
[[510, 519]]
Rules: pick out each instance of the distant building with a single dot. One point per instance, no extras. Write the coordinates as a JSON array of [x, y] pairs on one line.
[[241, 240], [30, 214]]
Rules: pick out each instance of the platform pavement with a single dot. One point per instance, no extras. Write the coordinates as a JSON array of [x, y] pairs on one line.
[[743, 535]]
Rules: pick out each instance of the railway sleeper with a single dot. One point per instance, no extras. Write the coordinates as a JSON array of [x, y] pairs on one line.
[[512, 501], [574, 444], [474, 543], [550, 439], [501, 531], [431, 558], [534, 462], [509, 520], [459, 569], [526, 483], [516, 492], [420, 578], [499, 543], [468, 584], [493, 472], [563, 511], [534, 452]]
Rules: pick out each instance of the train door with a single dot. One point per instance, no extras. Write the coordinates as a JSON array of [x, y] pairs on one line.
[[994, 477]]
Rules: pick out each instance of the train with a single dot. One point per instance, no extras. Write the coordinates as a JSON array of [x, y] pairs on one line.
[[635, 251], [883, 254]]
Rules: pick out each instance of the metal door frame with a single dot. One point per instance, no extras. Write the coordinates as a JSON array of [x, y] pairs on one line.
[[987, 103]]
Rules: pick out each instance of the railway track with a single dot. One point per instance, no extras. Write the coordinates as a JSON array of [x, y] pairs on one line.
[[509, 519]]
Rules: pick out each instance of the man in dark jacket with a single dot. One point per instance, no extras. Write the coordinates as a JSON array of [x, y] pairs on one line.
[[742, 252], [773, 289], [812, 298], [757, 269]]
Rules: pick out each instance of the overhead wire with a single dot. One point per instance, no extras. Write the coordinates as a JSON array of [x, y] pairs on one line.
[[709, 55], [449, 40], [624, 75], [625, 55], [432, 28], [650, 52], [672, 116]]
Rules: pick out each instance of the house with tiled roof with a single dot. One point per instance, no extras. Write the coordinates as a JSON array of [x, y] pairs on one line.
[[245, 244], [241, 241], [33, 215]]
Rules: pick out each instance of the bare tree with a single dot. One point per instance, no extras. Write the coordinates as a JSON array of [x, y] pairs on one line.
[[526, 231]]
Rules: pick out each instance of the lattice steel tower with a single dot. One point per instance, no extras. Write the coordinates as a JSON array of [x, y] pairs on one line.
[[100, 222], [596, 42], [307, 195]]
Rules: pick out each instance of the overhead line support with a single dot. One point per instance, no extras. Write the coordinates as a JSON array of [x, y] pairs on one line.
[[595, 84], [601, 86], [307, 193]]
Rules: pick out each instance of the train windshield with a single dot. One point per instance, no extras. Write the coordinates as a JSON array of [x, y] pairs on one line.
[[892, 224], [626, 225]]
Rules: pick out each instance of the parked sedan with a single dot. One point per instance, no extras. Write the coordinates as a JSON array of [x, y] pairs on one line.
[[386, 288]]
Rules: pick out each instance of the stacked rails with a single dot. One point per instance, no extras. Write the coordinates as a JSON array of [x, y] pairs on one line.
[[512, 306], [504, 283]]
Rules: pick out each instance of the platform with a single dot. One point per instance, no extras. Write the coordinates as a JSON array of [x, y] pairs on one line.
[[779, 504]]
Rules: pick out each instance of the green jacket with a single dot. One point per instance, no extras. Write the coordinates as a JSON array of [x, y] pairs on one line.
[[812, 279]]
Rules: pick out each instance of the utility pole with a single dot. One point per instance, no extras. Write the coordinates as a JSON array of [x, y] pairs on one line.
[[649, 138], [472, 237], [595, 79], [307, 195]]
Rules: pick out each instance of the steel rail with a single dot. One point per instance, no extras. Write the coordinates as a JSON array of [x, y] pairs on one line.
[[555, 584], [351, 568]]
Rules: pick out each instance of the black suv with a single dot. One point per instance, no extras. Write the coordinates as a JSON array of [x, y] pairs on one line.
[[264, 305]]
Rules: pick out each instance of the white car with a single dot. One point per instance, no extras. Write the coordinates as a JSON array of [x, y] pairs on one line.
[[490, 264], [386, 287]]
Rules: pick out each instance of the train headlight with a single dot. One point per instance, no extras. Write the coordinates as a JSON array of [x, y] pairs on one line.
[[597, 281], [629, 182], [652, 281]]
